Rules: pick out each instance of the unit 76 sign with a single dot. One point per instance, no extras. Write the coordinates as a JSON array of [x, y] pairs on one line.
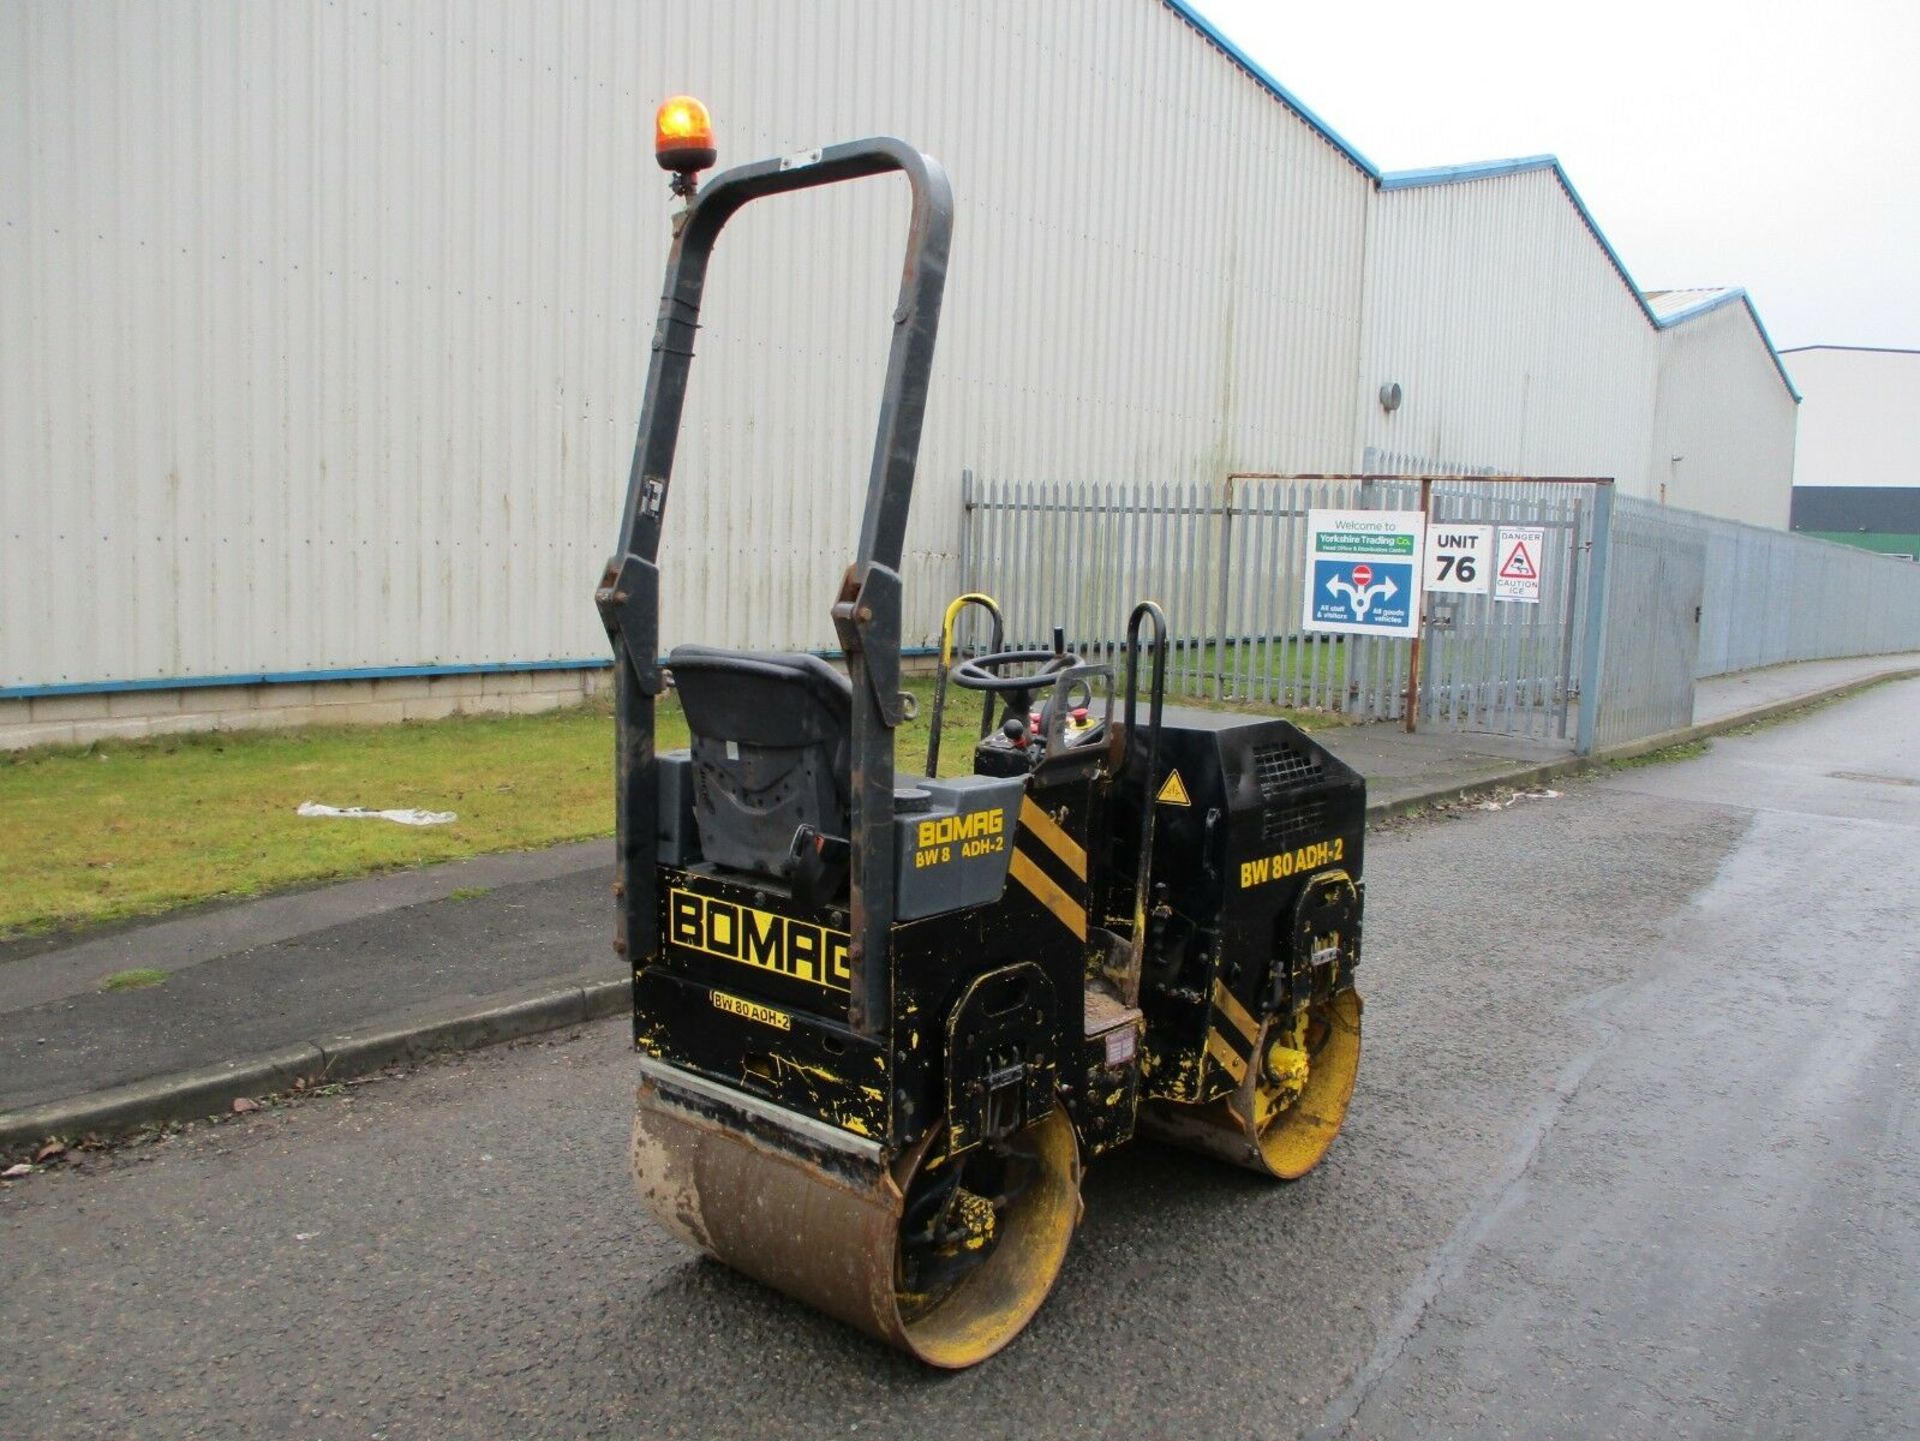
[[1460, 559]]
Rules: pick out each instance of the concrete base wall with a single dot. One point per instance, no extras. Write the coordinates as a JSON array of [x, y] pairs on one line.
[[129, 715]]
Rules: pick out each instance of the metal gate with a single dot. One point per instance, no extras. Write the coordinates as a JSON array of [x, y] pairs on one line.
[[1504, 667], [1608, 655], [1656, 582], [1227, 564]]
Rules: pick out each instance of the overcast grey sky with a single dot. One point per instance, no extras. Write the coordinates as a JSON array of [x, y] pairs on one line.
[[1766, 144]]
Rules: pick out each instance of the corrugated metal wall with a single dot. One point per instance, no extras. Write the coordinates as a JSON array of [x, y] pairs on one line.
[[1726, 414], [1772, 597], [1518, 347], [325, 324]]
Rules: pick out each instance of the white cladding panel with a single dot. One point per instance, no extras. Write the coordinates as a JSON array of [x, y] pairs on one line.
[[1860, 422], [1519, 349], [323, 327], [1727, 415]]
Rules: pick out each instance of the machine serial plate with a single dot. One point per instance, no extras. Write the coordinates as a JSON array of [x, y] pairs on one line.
[[753, 1011], [1298, 861]]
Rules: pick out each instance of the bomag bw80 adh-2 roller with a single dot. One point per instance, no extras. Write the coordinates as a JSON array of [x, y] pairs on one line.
[[883, 1021]]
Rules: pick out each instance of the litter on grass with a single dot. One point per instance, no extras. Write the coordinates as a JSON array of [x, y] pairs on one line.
[[359, 813], [1496, 805]]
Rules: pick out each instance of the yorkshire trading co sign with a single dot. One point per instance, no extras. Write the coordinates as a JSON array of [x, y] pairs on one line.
[[1363, 571]]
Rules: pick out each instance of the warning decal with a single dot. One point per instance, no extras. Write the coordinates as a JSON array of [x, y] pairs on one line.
[[1519, 565], [1518, 577], [1174, 792]]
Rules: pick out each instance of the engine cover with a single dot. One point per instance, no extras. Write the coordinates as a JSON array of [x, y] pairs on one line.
[[1255, 893]]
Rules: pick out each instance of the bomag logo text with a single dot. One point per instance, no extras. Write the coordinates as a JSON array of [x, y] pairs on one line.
[[1291, 863], [945, 830], [803, 950], [977, 833]]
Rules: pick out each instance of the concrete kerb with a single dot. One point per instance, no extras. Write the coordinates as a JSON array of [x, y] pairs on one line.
[[164, 1098], [1752, 716], [357, 1055], [1523, 776], [214, 1089], [1519, 778]]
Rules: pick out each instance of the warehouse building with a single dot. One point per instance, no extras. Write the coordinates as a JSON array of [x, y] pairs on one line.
[[325, 328], [1515, 342], [1856, 476], [1726, 413]]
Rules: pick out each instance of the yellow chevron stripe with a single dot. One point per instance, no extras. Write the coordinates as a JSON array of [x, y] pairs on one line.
[[1229, 1006], [1057, 840], [1066, 910], [1226, 1057]]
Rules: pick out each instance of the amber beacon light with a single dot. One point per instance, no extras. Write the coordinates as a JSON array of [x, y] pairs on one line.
[[683, 140]]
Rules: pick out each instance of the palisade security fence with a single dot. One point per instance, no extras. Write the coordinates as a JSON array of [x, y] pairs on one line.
[[1778, 597], [1684, 596]]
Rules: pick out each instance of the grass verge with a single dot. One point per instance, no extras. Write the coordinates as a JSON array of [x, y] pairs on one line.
[[120, 829], [1679, 751]]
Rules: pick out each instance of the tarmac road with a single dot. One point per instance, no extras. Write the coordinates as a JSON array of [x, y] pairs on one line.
[[1634, 1152]]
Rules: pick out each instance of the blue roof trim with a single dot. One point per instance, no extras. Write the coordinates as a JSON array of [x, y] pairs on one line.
[[293, 677], [1869, 349], [1492, 169], [1472, 170], [1280, 92], [316, 677], [1739, 293], [1701, 307]]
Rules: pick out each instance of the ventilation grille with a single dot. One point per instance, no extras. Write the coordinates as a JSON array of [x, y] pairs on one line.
[[1281, 825], [1280, 768]]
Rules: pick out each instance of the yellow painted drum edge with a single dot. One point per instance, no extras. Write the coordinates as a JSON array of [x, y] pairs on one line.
[[830, 1238], [1287, 1142], [995, 1302], [1292, 1140]]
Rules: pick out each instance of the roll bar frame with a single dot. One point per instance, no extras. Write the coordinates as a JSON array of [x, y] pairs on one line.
[[866, 613]]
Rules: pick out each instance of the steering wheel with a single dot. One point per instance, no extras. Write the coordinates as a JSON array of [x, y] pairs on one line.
[[979, 672]]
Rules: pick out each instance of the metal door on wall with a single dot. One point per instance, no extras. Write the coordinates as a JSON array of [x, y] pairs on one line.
[[1656, 579]]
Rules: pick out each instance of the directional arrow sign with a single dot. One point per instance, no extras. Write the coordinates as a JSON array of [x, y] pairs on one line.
[[1361, 574]]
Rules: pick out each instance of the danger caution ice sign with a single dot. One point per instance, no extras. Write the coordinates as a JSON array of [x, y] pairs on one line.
[[1362, 571], [1518, 553]]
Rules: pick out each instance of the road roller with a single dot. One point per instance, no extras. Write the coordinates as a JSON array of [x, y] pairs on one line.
[[883, 1018]]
